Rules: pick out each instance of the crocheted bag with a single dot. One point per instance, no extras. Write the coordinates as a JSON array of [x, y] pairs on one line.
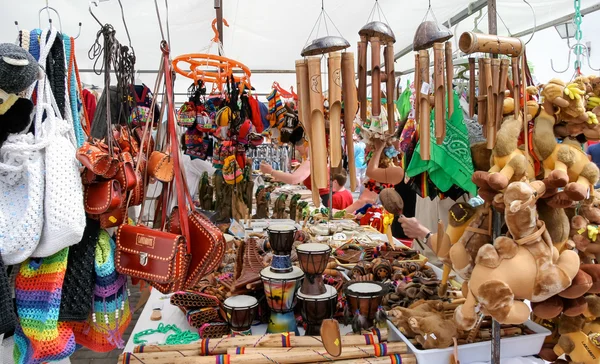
[[103, 330], [39, 337], [64, 215], [7, 312], [22, 191], [78, 286]]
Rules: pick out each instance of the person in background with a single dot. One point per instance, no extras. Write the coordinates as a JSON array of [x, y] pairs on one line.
[[360, 160], [300, 175], [594, 152], [342, 198]]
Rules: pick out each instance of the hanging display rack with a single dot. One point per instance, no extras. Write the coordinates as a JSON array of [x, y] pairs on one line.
[[211, 68]]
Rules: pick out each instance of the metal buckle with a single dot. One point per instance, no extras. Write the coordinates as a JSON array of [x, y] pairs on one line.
[[143, 259]]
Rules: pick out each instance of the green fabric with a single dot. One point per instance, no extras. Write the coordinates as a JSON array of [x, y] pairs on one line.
[[403, 102], [451, 162]]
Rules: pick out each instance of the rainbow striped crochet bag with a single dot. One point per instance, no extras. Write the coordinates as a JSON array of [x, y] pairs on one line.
[[39, 337], [104, 328]]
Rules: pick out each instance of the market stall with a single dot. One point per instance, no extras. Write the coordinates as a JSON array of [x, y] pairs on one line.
[[256, 217]]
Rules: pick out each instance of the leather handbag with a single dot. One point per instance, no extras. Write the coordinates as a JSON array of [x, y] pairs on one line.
[[138, 193], [126, 173], [159, 257], [102, 197], [94, 156], [114, 217], [160, 166]]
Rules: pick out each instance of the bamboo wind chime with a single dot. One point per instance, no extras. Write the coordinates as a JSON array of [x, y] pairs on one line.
[[375, 34], [493, 80], [428, 35], [312, 114]]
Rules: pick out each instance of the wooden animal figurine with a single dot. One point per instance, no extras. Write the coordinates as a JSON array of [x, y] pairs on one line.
[[523, 266], [279, 207]]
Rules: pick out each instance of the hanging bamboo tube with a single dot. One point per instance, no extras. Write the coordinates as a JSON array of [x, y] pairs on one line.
[[350, 108], [303, 95], [417, 84], [304, 114], [472, 99], [318, 144], [439, 93], [481, 98], [362, 77], [501, 91], [449, 78], [267, 355], [390, 80], [334, 65], [423, 91], [375, 77], [220, 346], [470, 42], [516, 78], [524, 105], [490, 124]]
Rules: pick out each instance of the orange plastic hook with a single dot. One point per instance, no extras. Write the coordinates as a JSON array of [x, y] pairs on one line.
[[214, 28]]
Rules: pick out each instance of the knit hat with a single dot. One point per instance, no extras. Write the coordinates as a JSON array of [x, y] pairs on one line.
[[18, 68]]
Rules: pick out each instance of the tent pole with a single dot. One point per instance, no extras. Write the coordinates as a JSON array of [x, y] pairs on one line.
[[219, 11], [496, 216]]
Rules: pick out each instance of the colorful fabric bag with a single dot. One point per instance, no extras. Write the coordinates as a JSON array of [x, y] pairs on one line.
[[103, 330], [39, 336]]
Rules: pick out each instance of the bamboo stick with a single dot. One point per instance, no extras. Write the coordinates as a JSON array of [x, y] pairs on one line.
[[472, 99], [220, 346], [524, 106], [449, 78], [304, 114], [516, 84], [267, 356], [417, 84], [303, 95], [334, 65], [489, 107], [390, 359], [390, 87], [470, 42], [439, 92], [501, 91], [424, 105], [481, 98], [362, 77], [350, 108], [375, 77], [318, 144]]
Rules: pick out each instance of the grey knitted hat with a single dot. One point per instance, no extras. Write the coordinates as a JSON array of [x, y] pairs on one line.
[[18, 68]]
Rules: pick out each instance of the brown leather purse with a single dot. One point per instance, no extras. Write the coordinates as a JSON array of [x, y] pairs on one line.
[[159, 257], [101, 197], [126, 173], [94, 156], [160, 166], [115, 217]]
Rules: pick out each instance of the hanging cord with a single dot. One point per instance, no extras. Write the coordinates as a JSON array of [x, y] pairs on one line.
[[162, 33]]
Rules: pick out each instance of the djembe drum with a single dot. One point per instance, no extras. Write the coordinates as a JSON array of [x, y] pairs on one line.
[[240, 311], [313, 259], [316, 308], [365, 297], [280, 291], [281, 240]]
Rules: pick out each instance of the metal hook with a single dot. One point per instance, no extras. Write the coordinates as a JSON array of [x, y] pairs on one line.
[[17, 25], [48, 8], [95, 2], [78, 31], [125, 24], [584, 53], [566, 68]]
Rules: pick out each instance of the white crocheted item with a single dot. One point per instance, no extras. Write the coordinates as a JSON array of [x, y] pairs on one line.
[[22, 191], [64, 213]]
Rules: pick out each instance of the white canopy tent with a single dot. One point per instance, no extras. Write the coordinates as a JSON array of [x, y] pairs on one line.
[[268, 35]]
